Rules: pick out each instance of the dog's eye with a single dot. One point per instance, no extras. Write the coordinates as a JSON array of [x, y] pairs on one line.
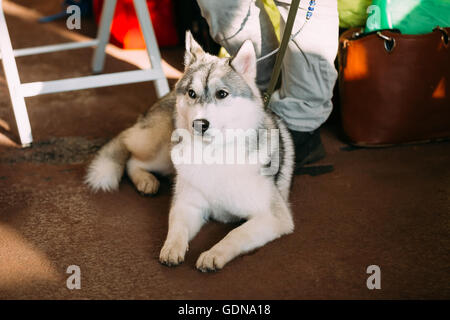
[[221, 94], [191, 94]]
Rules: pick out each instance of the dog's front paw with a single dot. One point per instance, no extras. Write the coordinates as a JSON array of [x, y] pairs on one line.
[[172, 253], [211, 260], [147, 184]]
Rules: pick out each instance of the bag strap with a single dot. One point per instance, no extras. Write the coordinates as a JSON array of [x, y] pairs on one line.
[[283, 46]]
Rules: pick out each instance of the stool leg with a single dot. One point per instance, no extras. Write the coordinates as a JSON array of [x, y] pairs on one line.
[[13, 81], [104, 29], [161, 84]]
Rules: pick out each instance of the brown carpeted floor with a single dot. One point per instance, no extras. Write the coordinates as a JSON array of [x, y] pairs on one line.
[[387, 207]]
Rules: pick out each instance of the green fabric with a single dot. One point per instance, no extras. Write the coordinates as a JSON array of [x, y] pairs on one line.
[[352, 13], [409, 16]]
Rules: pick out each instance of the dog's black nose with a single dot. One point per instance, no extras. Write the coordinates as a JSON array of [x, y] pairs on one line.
[[200, 125]]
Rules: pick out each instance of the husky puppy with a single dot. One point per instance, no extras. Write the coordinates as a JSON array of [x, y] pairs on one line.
[[215, 96]]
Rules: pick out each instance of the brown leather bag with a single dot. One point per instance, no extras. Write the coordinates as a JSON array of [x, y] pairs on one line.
[[394, 88]]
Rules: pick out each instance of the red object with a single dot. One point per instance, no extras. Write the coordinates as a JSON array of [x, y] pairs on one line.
[[125, 30]]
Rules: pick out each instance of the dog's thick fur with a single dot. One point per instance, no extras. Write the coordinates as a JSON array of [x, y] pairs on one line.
[[224, 192], [142, 149]]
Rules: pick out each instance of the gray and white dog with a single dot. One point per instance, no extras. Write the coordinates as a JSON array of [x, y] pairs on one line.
[[216, 178]]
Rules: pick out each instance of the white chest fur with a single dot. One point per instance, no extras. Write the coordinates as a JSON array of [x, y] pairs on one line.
[[230, 189]]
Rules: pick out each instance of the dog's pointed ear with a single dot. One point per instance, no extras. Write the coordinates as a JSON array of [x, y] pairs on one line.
[[193, 49], [244, 61]]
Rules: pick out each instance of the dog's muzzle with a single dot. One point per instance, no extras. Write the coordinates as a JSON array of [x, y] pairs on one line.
[[200, 125]]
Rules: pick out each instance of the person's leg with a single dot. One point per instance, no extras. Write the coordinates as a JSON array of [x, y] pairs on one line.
[[231, 22], [308, 76]]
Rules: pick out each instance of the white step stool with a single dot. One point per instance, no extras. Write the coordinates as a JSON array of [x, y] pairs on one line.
[[19, 91]]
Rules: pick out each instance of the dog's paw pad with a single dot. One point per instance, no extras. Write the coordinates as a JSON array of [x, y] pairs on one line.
[[210, 261], [172, 254]]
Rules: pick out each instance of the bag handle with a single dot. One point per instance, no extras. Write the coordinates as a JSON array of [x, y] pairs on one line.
[[444, 36], [389, 42]]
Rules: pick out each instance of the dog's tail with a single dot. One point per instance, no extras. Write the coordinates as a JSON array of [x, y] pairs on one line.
[[106, 170]]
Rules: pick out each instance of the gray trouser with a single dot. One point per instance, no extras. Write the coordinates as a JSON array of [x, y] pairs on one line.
[[308, 72]]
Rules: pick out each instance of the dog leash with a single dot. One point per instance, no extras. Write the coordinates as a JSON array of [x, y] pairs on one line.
[[287, 36]]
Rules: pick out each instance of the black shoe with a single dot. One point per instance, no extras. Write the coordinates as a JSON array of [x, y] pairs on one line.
[[308, 149]]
